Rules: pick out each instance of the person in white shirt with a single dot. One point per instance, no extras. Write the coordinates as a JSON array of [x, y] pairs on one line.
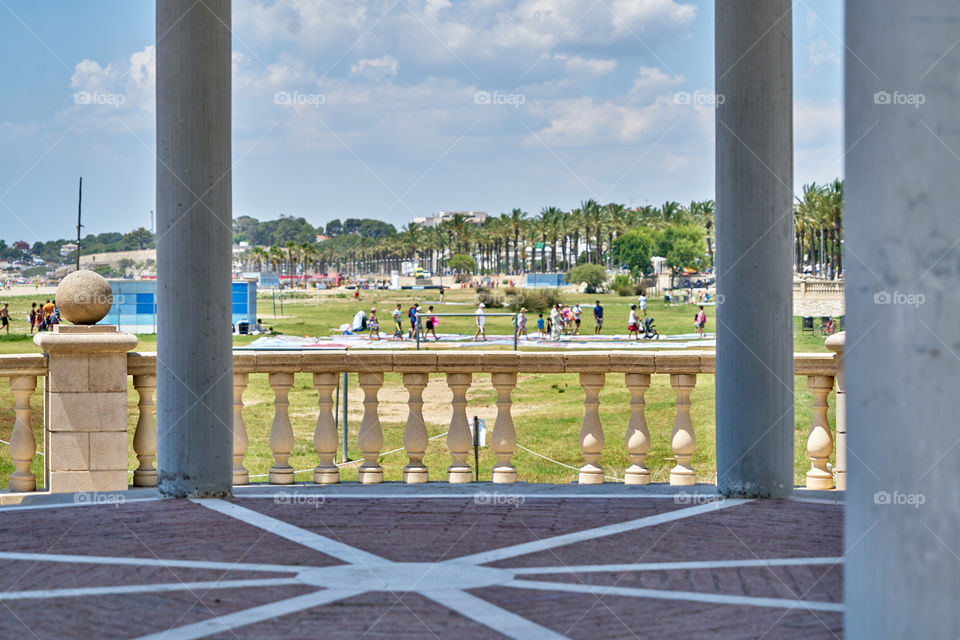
[[556, 324], [633, 323], [642, 304], [481, 321], [577, 312]]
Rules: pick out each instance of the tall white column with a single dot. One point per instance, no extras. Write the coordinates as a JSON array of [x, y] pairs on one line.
[[754, 179], [902, 352], [194, 219]]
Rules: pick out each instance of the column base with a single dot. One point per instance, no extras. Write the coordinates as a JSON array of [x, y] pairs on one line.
[[281, 475], [683, 476], [23, 483], [415, 474], [504, 475], [819, 479], [459, 475], [326, 475], [370, 475], [591, 474], [636, 474], [149, 478]]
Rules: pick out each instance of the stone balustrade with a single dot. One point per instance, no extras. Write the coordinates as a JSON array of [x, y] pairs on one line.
[[593, 371]]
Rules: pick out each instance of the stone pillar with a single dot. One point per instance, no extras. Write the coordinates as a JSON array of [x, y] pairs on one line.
[[754, 185], [902, 361], [86, 418], [836, 343], [194, 221]]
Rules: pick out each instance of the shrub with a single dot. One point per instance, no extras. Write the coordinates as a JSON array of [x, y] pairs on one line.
[[593, 275], [534, 300]]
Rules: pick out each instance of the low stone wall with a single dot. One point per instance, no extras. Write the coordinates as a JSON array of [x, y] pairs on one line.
[[818, 298]]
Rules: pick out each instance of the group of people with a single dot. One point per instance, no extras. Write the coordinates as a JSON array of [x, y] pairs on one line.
[[424, 323], [42, 317]]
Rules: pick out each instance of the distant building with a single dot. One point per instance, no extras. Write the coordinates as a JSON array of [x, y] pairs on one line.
[[474, 217], [21, 245], [321, 237], [68, 248]]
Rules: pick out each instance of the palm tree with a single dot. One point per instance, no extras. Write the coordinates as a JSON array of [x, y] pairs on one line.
[[516, 218]]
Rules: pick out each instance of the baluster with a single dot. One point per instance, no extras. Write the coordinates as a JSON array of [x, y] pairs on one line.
[[683, 441], [240, 442], [504, 433], [459, 439], [820, 441], [370, 437], [23, 446], [145, 437], [325, 435], [281, 432], [591, 433], [637, 439], [415, 434]]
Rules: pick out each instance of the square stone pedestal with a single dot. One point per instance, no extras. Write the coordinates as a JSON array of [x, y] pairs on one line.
[[85, 416]]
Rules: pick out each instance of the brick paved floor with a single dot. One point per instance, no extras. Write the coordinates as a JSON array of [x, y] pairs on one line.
[[359, 563]]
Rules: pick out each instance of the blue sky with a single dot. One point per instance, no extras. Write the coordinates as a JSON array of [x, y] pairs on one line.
[[392, 109]]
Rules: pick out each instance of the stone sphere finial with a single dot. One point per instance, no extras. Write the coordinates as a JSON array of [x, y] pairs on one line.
[[84, 297]]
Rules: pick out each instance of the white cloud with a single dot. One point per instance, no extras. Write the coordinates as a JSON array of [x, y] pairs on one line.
[[116, 96], [586, 66], [385, 65]]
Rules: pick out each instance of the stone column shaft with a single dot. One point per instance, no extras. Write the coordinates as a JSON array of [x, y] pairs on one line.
[[902, 98], [754, 184], [194, 235]]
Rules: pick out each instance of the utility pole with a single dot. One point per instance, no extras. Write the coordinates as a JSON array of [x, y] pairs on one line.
[[79, 226], [151, 221]]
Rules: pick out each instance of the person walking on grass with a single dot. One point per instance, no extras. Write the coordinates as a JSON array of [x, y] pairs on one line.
[[481, 322], [397, 318], [642, 305], [597, 318], [432, 322], [556, 323], [633, 323], [5, 317], [541, 333], [522, 324], [373, 324], [33, 317], [700, 321], [577, 312]]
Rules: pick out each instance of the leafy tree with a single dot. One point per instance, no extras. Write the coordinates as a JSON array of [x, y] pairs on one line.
[[592, 274], [334, 227], [139, 238], [682, 246], [635, 248], [462, 263]]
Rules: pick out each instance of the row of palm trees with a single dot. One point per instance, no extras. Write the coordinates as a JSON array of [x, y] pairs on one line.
[[818, 228], [513, 242], [554, 240]]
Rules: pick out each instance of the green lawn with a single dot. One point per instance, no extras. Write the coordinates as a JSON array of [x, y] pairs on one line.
[[548, 408]]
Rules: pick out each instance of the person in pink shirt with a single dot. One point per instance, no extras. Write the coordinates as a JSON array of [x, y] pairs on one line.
[[700, 321]]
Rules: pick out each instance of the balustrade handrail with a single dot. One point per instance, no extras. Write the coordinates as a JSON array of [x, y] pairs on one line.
[[23, 364], [403, 361]]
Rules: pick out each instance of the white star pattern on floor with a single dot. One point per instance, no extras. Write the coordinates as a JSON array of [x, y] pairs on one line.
[[445, 582]]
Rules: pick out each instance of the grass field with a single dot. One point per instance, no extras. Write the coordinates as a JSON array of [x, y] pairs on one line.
[[548, 408]]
